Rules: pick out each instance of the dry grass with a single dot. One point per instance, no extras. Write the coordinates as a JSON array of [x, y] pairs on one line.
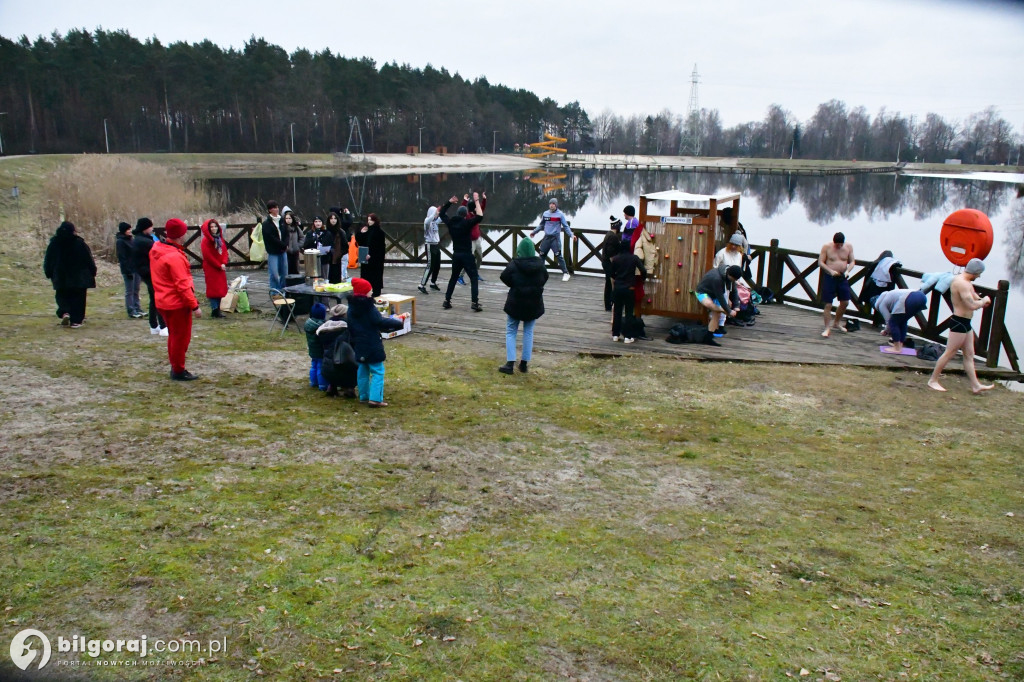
[[98, 192]]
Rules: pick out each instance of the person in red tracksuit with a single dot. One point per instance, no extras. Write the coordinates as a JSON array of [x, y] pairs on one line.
[[175, 295]]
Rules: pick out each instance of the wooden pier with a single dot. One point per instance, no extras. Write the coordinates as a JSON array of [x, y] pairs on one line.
[[576, 322]]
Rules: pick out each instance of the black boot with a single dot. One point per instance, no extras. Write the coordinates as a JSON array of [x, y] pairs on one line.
[[522, 366], [507, 368]]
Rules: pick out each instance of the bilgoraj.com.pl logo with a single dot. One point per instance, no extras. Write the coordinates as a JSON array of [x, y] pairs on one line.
[[31, 648]]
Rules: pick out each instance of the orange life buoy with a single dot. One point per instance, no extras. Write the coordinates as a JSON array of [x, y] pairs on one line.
[[966, 234], [353, 253]]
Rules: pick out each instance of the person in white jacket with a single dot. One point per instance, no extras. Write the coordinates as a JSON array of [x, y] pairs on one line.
[[432, 241]]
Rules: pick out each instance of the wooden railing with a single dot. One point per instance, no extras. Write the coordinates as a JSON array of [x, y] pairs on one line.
[[787, 272]]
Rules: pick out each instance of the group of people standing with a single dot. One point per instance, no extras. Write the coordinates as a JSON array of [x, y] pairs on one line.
[[335, 239]]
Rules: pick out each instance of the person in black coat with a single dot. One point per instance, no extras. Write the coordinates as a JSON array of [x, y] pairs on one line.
[[365, 323], [68, 264], [613, 237], [623, 265], [343, 375], [460, 228], [525, 276], [371, 235], [142, 242], [123, 243]]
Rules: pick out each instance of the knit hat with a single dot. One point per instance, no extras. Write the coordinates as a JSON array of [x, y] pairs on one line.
[[629, 210], [915, 303], [526, 249], [734, 271], [142, 225], [175, 228], [318, 310], [553, 200], [123, 227], [975, 266], [462, 212], [340, 310], [736, 239], [615, 223], [361, 287]]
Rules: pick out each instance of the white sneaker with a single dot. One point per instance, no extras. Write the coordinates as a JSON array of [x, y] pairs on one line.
[[616, 338], [164, 332], [154, 330], [565, 277], [629, 340]]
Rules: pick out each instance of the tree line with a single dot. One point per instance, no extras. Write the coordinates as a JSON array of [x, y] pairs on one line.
[[92, 91]]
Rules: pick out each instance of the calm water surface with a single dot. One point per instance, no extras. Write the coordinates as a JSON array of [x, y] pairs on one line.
[[876, 212]]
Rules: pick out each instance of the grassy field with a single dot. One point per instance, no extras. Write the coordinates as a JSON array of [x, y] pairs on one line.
[[620, 519]]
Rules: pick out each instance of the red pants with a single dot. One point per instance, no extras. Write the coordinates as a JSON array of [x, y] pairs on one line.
[[179, 334]]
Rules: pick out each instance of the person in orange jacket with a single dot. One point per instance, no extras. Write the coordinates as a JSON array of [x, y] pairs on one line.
[[175, 295]]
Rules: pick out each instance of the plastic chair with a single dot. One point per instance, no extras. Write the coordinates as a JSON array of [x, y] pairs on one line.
[[286, 305]]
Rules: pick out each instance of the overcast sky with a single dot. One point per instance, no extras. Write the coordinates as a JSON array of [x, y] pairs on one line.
[[951, 57]]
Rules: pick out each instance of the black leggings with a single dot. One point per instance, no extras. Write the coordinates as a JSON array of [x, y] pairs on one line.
[[622, 320], [155, 319]]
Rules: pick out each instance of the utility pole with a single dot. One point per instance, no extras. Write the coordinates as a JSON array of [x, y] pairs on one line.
[[292, 126], [420, 148], [106, 137], [2, 113], [494, 141]]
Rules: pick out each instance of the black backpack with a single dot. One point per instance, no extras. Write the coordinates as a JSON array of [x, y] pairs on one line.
[[929, 351], [340, 358]]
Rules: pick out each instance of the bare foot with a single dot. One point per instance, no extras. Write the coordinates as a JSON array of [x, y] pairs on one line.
[[890, 349], [982, 387], [839, 329], [825, 333], [935, 386]]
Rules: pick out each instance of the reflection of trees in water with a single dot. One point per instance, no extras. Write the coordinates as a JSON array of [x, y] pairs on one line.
[[1014, 243], [514, 200]]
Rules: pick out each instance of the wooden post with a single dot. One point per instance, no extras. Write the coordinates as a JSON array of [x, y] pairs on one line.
[[775, 270], [998, 328]]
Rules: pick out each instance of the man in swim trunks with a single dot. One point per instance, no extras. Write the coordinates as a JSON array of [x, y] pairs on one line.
[[836, 260], [961, 334]]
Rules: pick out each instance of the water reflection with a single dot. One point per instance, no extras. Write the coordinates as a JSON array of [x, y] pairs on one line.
[[517, 198]]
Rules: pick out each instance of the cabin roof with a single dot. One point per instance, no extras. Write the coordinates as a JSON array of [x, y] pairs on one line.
[[677, 195]]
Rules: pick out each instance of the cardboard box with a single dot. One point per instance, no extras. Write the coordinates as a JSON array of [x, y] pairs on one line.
[[406, 328]]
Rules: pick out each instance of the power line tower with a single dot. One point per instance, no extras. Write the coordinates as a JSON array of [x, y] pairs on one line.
[[689, 145], [354, 131]]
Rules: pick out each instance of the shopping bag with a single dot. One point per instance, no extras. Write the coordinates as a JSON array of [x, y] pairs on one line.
[[243, 303], [257, 250], [353, 253], [228, 302]]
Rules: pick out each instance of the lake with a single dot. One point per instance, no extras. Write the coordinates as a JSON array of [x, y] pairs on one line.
[[876, 212]]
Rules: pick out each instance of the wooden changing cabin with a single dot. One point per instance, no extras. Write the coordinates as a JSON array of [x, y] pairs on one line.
[[686, 236]]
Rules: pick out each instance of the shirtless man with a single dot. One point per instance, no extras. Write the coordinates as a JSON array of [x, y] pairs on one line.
[[961, 334], [836, 261]]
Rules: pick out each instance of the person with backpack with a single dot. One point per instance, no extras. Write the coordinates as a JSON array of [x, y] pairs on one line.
[[524, 276], [123, 243], [70, 267], [613, 237], [317, 315], [339, 367], [365, 323]]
